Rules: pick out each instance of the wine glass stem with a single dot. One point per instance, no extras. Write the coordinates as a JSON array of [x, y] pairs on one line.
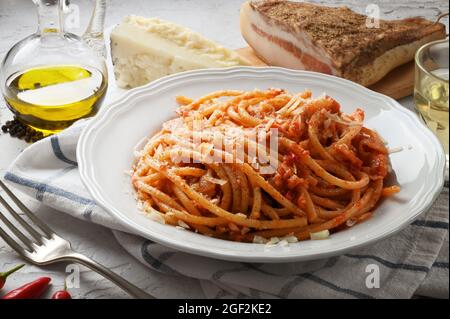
[[97, 22]]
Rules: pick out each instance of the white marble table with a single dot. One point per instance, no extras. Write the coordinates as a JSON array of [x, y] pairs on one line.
[[216, 19]]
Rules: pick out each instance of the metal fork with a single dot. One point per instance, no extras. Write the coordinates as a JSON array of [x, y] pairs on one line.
[[46, 247]]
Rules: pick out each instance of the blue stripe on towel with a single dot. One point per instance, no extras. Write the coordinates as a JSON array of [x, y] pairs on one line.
[[58, 152], [334, 287], [62, 172], [431, 224], [153, 262], [440, 264], [41, 187], [87, 214]]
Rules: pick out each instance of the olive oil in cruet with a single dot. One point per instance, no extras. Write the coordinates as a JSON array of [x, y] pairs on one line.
[[53, 78]]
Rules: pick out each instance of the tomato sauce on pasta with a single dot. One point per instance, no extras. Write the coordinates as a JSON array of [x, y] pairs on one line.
[[327, 173]]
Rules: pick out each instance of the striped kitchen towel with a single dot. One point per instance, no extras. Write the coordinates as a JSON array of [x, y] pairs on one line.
[[412, 263]]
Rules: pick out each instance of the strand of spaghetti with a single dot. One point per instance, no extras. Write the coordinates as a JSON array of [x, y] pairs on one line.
[[338, 220], [282, 211], [390, 190], [328, 192], [168, 218], [270, 106], [183, 100], [327, 214], [171, 218], [204, 110], [246, 104], [214, 95], [343, 173], [251, 102], [235, 218], [269, 233], [213, 118], [156, 193], [294, 103], [295, 106], [269, 212], [319, 171], [293, 100], [337, 169], [379, 145], [314, 140], [148, 179], [305, 144], [310, 178], [245, 191], [185, 201], [312, 106], [377, 189], [267, 108], [325, 202], [140, 168], [310, 209], [209, 111], [190, 171], [152, 143], [234, 101], [226, 188], [279, 101], [256, 207], [143, 197], [276, 195], [235, 116], [199, 220], [352, 132], [245, 96], [246, 118], [235, 189], [364, 217]]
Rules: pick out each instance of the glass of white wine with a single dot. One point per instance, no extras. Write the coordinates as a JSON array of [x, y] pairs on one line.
[[431, 89]]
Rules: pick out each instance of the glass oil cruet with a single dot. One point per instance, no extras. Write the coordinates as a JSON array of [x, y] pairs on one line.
[[53, 78]]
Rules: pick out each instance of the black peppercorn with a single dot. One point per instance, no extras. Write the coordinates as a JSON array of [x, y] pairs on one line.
[[15, 128]]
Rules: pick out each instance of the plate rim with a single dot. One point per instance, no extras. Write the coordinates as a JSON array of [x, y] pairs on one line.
[[163, 84]]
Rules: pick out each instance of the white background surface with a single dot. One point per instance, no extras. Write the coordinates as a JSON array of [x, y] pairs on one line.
[[217, 20]]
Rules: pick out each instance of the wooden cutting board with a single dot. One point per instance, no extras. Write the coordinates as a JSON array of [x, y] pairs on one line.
[[396, 84]]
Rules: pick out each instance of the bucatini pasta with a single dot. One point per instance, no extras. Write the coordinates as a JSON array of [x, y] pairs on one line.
[[250, 166]]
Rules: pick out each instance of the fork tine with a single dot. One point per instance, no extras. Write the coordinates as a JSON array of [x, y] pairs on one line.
[[16, 232], [12, 243], [31, 231], [27, 212]]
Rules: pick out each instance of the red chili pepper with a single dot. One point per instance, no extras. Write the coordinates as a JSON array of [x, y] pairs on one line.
[[62, 294], [5, 275], [31, 290]]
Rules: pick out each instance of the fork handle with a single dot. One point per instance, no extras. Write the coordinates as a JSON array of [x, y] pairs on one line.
[[128, 287]]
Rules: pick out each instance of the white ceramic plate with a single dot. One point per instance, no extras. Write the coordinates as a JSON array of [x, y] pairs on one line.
[[105, 152]]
